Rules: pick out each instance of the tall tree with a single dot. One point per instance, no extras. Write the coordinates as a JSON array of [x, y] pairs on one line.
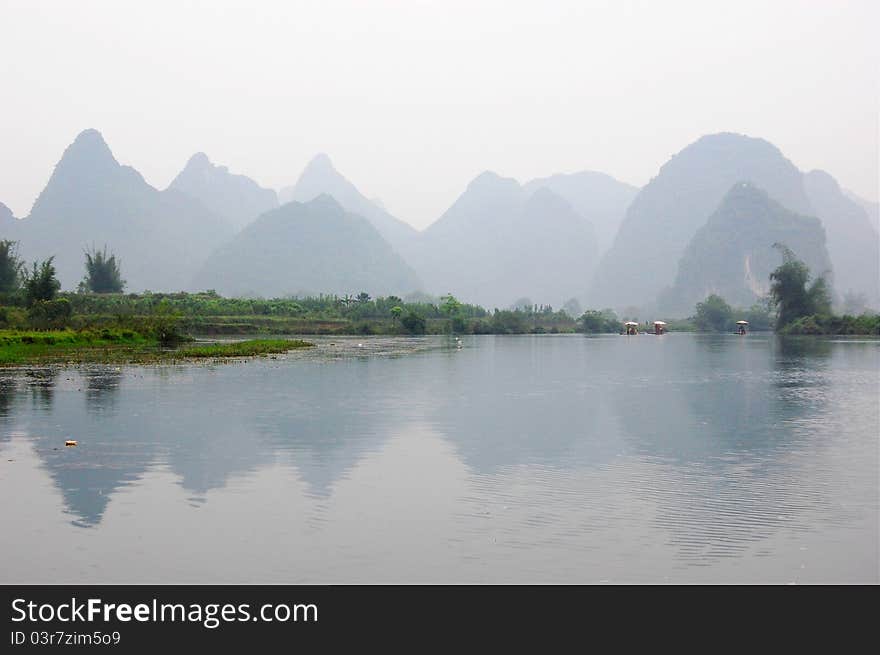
[[41, 282], [713, 314], [10, 266], [792, 292], [103, 274]]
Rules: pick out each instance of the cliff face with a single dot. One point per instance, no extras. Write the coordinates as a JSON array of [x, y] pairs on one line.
[[732, 255], [668, 211]]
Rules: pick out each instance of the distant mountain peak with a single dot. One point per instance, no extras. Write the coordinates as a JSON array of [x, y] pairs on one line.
[[90, 136], [237, 198], [824, 180], [666, 213], [200, 164], [492, 180], [5, 214], [732, 253], [88, 149], [199, 160], [320, 177], [308, 248], [729, 138], [320, 163], [325, 201]]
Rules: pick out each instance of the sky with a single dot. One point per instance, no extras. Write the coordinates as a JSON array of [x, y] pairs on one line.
[[412, 99]]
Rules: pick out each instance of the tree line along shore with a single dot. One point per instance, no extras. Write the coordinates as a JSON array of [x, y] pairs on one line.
[[99, 322]]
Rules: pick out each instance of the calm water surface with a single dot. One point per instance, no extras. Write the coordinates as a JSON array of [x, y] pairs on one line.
[[681, 458]]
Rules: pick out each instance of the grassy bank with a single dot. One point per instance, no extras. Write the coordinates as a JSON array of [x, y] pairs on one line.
[[866, 324], [251, 348], [120, 346]]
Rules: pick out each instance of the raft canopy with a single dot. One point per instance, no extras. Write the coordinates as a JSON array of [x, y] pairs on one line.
[[659, 322], [742, 322], [630, 323]]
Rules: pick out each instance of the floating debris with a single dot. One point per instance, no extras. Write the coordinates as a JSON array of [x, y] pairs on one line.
[[70, 442]]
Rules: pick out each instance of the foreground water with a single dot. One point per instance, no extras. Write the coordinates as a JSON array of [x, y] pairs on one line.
[[681, 458]]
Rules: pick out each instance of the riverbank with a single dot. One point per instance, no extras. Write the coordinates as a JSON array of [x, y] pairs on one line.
[[119, 346]]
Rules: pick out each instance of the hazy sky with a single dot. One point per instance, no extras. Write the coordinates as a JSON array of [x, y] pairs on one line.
[[413, 99]]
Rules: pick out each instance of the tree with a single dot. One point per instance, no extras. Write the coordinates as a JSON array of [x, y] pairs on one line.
[[363, 297], [449, 305], [413, 323], [103, 273], [10, 266], [40, 283], [593, 322], [819, 296], [713, 314], [791, 294], [451, 308]]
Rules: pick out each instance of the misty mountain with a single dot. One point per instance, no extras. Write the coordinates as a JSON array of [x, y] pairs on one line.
[[236, 198], [8, 222], [871, 208], [853, 243], [498, 242], [596, 196], [667, 212], [732, 255], [307, 248], [321, 177], [161, 237]]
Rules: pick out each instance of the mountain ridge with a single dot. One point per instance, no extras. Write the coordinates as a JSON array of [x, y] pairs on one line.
[[732, 254], [317, 247], [320, 176], [235, 197], [666, 212], [497, 243], [91, 200]]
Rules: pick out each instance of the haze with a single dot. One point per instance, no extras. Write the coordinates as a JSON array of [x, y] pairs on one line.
[[414, 99]]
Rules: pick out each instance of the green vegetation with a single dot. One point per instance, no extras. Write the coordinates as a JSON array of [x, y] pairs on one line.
[[713, 314], [803, 306], [597, 322], [64, 346], [10, 267], [248, 348], [792, 295], [824, 324], [413, 322], [40, 283], [118, 346], [103, 274], [208, 313]]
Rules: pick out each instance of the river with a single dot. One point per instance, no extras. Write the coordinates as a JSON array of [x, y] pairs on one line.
[[546, 458]]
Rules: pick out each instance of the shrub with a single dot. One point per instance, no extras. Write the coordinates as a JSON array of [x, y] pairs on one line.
[[413, 323], [50, 314]]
